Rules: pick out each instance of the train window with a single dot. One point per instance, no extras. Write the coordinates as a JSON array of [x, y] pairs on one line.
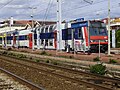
[[93, 31], [51, 42], [42, 42], [46, 29], [80, 33], [35, 41], [0, 41], [35, 31], [69, 32], [51, 29], [102, 31], [46, 42], [42, 30], [8, 41], [54, 27], [25, 37]]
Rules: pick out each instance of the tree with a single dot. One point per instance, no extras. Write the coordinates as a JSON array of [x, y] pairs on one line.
[[118, 38]]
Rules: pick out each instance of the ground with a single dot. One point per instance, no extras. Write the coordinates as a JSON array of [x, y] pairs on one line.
[[79, 56]]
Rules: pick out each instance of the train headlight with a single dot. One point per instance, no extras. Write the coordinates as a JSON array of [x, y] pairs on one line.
[[106, 40], [91, 40]]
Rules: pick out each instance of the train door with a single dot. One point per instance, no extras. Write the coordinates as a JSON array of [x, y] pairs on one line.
[[14, 40], [55, 40], [84, 41], [4, 43], [30, 40]]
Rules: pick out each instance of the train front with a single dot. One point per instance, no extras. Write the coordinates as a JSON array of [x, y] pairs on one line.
[[98, 36]]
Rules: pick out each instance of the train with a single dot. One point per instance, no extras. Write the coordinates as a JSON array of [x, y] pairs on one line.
[[85, 36]]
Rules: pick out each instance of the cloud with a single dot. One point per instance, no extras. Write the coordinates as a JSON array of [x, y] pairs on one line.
[[71, 9]]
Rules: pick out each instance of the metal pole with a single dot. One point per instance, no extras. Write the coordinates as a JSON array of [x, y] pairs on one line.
[[73, 41], [32, 33], [32, 27], [88, 36], [59, 31], [99, 48], [5, 39], [108, 27]]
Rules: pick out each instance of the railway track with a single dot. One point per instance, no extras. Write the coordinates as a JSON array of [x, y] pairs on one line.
[[82, 78], [10, 81]]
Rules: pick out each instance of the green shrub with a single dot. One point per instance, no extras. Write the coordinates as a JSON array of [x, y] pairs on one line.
[[4, 52], [98, 69], [55, 63], [112, 61], [43, 53], [96, 59], [21, 56], [10, 54], [49, 54], [30, 58], [37, 60], [47, 61], [70, 57]]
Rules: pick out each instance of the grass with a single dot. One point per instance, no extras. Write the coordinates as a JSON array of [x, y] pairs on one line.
[[37, 60], [43, 53], [47, 61], [96, 59], [112, 61], [99, 69]]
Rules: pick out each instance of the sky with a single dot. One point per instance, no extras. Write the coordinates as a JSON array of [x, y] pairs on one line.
[[46, 9]]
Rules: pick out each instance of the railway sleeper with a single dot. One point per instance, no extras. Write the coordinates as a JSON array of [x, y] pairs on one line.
[[6, 86], [116, 85]]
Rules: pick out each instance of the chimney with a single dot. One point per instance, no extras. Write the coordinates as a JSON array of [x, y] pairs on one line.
[[11, 20]]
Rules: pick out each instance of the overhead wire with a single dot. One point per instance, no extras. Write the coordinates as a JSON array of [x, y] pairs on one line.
[[84, 6], [64, 12], [89, 12], [47, 11], [6, 4]]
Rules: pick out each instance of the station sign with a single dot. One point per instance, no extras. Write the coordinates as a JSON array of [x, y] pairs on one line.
[[79, 24], [80, 19]]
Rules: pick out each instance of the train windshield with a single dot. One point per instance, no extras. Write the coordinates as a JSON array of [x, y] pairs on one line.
[[97, 29]]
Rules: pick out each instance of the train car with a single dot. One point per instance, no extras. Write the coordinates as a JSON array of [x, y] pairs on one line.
[[17, 38], [86, 36], [47, 36], [79, 36]]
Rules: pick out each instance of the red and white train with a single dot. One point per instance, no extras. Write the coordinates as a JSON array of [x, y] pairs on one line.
[[79, 36]]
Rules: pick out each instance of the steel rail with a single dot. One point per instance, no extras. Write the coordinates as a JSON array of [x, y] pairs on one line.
[[23, 81], [99, 77], [109, 79], [92, 85]]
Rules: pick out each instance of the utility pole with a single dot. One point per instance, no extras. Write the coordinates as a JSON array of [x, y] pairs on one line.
[[90, 2], [108, 27], [32, 8], [10, 25], [59, 30]]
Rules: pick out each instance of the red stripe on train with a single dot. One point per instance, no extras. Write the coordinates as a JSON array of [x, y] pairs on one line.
[[98, 43], [86, 35], [98, 37]]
